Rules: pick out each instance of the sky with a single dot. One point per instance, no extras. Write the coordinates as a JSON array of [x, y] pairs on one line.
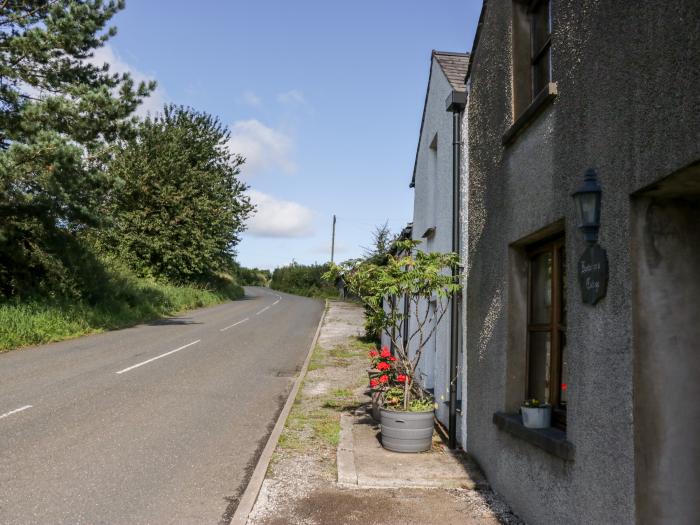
[[323, 98]]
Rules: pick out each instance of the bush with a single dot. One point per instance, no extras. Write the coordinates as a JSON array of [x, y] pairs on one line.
[[251, 276], [306, 280]]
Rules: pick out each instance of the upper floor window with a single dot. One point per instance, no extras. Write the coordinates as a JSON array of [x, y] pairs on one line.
[[541, 43], [532, 60]]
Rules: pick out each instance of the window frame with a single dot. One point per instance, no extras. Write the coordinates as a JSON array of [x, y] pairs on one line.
[[536, 55], [556, 326], [526, 103]]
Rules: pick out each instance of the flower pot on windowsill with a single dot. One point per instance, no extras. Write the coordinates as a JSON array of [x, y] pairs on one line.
[[536, 417], [407, 431]]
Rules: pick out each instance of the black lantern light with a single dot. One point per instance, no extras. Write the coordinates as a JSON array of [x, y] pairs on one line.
[[588, 198]]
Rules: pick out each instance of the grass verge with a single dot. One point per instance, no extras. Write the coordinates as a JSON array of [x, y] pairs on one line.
[[314, 422], [126, 301]]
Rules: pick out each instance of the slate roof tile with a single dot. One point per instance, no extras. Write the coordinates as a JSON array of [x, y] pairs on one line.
[[454, 65]]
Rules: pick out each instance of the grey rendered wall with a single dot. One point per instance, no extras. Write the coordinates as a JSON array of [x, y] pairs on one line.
[[433, 208], [666, 250], [628, 104]]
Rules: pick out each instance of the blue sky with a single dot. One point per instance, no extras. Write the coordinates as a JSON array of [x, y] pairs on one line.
[[324, 98]]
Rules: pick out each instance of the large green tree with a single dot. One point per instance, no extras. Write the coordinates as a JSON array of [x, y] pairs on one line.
[[181, 206], [58, 115]]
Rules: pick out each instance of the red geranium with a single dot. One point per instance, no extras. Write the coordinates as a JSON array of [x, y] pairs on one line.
[[382, 366], [402, 378], [384, 378], [392, 358], [385, 352], [373, 383], [373, 353]]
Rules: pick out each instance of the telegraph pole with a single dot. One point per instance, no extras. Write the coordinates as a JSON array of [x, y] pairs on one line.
[[333, 240]]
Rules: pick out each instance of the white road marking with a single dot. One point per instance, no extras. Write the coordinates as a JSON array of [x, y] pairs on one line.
[[264, 309], [25, 407], [234, 324], [158, 357], [277, 301]]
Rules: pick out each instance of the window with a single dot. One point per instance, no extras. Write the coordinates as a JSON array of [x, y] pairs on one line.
[[540, 45], [547, 370], [532, 60]]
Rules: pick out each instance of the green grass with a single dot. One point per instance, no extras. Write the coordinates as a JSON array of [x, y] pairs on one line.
[[326, 427], [125, 301], [318, 359], [342, 353], [341, 392]]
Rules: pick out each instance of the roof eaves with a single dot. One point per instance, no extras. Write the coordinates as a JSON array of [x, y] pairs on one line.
[[422, 120], [475, 44]]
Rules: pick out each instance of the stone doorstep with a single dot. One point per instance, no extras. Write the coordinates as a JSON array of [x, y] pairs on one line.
[[363, 463]]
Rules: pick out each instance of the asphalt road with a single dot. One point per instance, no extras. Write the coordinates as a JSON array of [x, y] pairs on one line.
[[160, 423]]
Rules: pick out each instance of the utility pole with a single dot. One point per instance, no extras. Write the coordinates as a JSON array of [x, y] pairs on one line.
[[333, 240]]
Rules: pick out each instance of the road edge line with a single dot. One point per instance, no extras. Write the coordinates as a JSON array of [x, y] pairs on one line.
[[252, 490]]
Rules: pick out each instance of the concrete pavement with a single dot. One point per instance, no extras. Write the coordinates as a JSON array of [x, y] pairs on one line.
[[160, 423]]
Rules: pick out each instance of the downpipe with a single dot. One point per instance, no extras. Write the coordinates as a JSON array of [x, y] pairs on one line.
[[455, 103]]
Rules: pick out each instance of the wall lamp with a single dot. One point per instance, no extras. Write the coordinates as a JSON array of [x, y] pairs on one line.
[[588, 198]]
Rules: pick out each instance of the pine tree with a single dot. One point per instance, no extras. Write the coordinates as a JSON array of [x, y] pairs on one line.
[[58, 115]]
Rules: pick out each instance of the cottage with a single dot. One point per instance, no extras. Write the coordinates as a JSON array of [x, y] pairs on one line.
[[434, 225], [605, 329]]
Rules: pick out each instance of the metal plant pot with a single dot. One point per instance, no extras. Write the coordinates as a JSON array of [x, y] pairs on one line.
[[407, 431], [537, 417]]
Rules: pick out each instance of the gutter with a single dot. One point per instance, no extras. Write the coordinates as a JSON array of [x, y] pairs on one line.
[[455, 103]]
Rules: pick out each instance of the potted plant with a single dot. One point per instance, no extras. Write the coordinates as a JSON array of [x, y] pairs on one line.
[[536, 414], [419, 278]]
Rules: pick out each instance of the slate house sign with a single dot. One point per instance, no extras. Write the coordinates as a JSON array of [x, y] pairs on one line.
[[593, 274]]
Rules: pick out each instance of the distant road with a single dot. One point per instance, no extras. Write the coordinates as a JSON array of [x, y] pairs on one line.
[[160, 423]]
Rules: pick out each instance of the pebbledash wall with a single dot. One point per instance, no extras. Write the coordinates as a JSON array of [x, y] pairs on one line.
[[628, 104]]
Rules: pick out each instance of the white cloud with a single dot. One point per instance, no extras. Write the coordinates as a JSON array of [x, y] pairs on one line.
[[264, 148], [279, 218], [152, 104], [290, 98], [251, 99]]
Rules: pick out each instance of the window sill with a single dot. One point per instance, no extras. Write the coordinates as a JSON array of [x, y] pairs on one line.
[[548, 93], [551, 440]]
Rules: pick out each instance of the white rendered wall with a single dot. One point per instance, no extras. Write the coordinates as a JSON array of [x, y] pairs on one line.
[[433, 209]]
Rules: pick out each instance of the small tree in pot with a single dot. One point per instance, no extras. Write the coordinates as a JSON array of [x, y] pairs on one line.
[[420, 278]]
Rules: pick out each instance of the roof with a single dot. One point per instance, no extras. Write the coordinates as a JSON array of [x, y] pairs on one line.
[[454, 66], [406, 234]]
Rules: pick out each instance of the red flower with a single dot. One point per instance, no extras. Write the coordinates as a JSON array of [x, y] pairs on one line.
[[401, 378], [384, 378], [392, 358], [385, 352], [383, 366], [373, 383], [373, 353]]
